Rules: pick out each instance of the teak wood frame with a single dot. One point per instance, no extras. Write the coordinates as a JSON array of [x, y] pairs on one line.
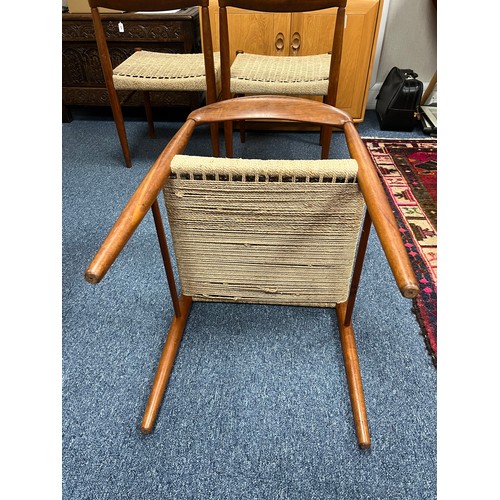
[[107, 68], [282, 6], [378, 212]]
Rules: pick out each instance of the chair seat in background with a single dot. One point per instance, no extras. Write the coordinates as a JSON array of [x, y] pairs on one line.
[[153, 71], [299, 75]]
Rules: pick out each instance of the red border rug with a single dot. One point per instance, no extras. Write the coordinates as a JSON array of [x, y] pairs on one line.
[[408, 169]]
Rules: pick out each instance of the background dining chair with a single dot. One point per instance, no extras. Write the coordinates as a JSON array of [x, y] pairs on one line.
[[148, 71], [290, 232], [296, 74]]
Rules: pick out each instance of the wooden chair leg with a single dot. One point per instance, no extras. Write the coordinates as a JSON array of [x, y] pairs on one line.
[[228, 138], [120, 125], [214, 136], [165, 254], [165, 365], [353, 377], [241, 123], [242, 127], [149, 114], [325, 141], [358, 267]]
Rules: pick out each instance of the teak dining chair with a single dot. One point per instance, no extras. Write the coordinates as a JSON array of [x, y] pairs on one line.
[[264, 231], [147, 71], [278, 74]]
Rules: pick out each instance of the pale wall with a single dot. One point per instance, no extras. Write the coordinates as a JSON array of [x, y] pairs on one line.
[[409, 40]]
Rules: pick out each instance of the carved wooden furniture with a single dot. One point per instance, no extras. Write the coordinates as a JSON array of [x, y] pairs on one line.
[[266, 218], [82, 78], [296, 74]]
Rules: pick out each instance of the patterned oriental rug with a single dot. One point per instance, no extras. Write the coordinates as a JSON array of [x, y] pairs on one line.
[[408, 169]]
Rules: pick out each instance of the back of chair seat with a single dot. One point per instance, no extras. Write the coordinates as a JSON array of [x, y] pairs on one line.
[[265, 231]]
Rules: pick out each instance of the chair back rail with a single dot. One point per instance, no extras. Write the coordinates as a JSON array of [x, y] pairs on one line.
[[271, 107], [283, 5]]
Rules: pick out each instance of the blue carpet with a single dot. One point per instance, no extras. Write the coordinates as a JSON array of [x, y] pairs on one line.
[[257, 406]]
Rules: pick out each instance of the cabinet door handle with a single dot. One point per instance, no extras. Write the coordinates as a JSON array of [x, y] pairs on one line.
[[295, 42], [279, 42]]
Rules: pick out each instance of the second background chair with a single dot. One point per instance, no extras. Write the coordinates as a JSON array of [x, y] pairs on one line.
[[295, 66]]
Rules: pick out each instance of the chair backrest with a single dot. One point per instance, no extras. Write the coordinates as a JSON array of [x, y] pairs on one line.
[[283, 6], [154, 6]]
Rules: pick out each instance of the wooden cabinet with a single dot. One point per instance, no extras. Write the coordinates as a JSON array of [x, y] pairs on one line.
[[82, 78], [311, 33]]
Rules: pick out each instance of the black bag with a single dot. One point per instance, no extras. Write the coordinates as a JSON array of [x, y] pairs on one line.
[[398, 100]]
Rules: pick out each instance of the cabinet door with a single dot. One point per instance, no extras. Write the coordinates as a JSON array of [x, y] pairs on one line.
[[312, 32], [360, 41], [253, 32], [315, 32]]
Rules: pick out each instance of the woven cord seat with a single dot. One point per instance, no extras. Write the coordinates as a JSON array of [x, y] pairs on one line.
[[157, 71], [299, 75], [264, 231]]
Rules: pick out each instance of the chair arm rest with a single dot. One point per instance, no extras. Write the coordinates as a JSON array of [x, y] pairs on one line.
[[381, 215], [137, 207]]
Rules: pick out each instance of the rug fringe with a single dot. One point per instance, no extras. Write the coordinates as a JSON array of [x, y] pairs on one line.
[[424, 333]]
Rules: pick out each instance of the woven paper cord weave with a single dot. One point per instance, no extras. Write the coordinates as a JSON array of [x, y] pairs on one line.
[[145, 70], [264, 231], [299, 75]]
